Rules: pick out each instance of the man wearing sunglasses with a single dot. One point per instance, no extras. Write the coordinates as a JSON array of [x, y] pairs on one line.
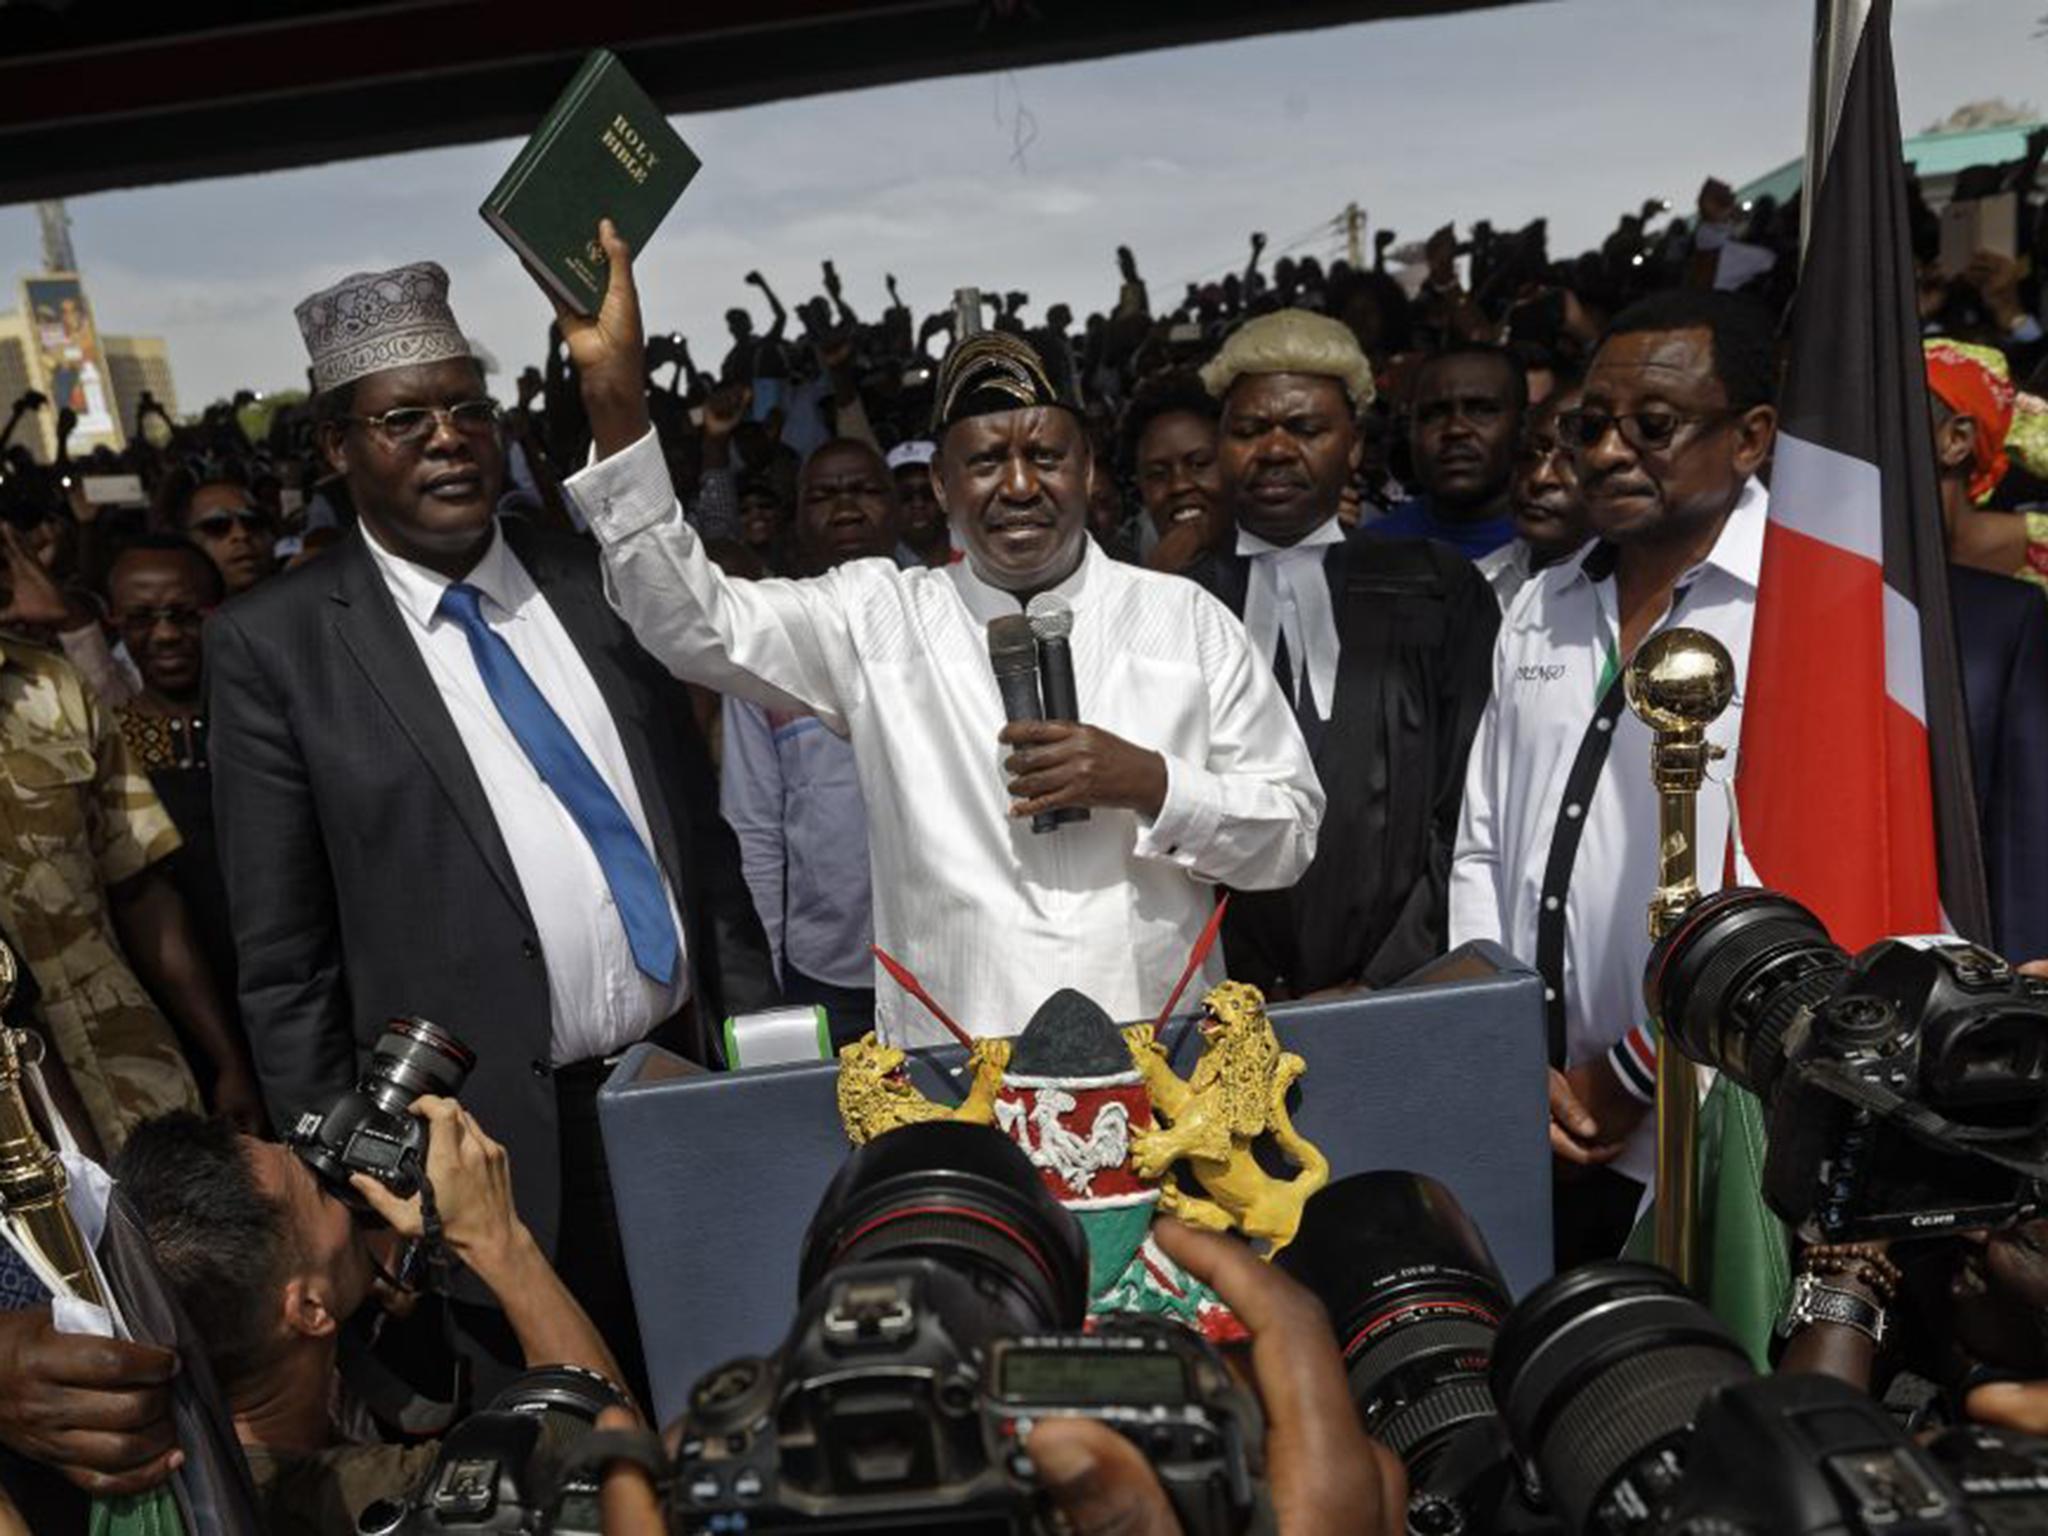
[[238, 536], [449, 783], [1557, 842]]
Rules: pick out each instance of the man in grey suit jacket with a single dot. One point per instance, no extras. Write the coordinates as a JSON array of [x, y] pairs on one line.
[[449, 783]]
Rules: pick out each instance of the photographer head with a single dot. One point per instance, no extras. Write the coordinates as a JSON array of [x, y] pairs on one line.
[[417, 440], [269, 1263], [266, 1262]]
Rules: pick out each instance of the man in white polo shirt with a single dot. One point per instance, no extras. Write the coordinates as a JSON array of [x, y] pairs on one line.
[[1557, 844]]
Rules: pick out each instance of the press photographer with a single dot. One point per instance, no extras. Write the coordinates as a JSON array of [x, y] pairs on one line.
[[270, 1263]]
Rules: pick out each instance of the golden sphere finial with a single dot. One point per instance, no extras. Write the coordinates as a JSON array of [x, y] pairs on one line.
[[1680, 679]]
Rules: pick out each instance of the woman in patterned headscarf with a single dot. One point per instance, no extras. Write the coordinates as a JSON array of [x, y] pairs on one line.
[[1984, 426]]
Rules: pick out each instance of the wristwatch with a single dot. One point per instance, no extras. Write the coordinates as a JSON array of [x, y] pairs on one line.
[[1815, 1301]]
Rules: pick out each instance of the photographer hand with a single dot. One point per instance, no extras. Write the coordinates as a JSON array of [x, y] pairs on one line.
[[98, 1410], [472, 1182], [1327, 1475]]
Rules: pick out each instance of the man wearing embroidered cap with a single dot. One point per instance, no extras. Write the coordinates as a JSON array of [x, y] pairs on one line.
[[1193, 771], [1382, 646], [449, 784]]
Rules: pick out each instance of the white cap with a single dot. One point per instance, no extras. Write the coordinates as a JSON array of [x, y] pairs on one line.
[[916, 451]]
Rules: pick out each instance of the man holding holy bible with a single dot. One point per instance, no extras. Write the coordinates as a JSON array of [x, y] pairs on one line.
[[1189, 760]]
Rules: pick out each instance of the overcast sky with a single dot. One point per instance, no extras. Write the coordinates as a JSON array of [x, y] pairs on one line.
[[1574, 109]]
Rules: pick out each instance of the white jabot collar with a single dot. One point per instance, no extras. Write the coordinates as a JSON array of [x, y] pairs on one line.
[[1288, 594]]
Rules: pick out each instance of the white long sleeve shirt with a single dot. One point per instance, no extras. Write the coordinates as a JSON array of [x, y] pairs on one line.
[[991, 917], [1558, 650]]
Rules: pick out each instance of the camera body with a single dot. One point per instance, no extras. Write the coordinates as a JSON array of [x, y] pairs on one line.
[[1927, 1056], [1791, 1455], [514, 1467], [371, 1128], [942, 1296], [1907, 1089], [883, 1412]]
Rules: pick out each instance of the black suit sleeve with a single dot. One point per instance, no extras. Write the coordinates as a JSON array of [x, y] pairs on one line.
[[2015, 819], [280, 893], [738, 970], [1464, 682]]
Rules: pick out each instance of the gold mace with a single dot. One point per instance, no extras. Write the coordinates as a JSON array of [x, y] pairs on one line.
[[32, 1177], [1678, 683]]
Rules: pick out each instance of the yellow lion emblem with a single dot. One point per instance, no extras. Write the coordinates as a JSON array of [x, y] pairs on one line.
[[876, 1094], [1238, 1092]]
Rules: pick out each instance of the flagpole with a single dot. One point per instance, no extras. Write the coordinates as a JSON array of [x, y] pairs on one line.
[[1838, 27]]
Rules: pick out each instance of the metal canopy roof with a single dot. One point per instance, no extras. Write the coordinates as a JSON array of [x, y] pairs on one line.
[[97, 93]]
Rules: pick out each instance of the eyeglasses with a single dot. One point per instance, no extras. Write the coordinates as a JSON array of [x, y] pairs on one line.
[[1644, 431], [215, 525], [140, 621], [404, 425]]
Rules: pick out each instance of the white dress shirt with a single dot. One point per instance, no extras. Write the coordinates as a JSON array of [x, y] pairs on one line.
[[1558, 647], [1287, 596], [600, 1000], [992, 917]]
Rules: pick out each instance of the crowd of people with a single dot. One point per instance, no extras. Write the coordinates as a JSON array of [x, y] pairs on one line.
[[657, 695]]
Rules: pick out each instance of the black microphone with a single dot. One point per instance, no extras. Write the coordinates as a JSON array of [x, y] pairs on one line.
[[1013, 652], [1052, 621]]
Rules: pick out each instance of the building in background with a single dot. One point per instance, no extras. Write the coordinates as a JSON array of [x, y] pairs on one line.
[[52, 346], [136, 364]]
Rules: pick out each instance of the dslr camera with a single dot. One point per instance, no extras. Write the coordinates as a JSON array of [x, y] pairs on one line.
[[943, 1292], [1610, 1402], [516, 1466], [1906, 1088], [371, 1129]]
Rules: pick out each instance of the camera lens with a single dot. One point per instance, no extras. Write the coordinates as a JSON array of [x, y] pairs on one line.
[[412, 1057], [965, 1197], [1598, 1375], [1731, 978], [1416, 1299]]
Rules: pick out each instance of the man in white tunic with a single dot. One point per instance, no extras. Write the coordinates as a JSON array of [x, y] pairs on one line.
[[1189, 762]]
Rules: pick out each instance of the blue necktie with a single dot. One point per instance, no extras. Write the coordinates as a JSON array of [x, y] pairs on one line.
[[628, 867]]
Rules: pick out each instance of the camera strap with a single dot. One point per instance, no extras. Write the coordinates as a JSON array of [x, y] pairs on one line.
[[432, 1244], [1565, 836], [1924, 1124]]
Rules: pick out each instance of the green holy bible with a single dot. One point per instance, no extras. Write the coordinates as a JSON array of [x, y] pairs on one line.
[[603, 151]]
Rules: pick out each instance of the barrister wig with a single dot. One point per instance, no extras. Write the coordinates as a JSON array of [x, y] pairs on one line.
[[1293, 341], [989, 372]]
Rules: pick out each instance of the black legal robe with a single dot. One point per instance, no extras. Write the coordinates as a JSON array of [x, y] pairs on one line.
[[1416, 623]]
